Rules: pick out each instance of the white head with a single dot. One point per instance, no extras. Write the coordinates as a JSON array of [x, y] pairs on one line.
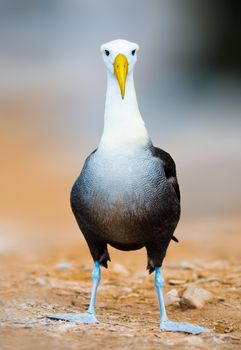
[[120, 57]]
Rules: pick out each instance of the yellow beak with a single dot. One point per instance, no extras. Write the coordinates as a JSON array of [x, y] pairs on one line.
[[121, 71]]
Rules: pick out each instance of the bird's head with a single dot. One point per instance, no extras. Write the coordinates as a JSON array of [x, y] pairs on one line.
[[120, 57]]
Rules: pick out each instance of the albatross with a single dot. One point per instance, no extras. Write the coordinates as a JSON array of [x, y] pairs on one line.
[[127, 194]]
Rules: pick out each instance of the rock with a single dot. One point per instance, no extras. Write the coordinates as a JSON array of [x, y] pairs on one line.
[[194, 297], [171, 297], [176, 282], [63, 266]]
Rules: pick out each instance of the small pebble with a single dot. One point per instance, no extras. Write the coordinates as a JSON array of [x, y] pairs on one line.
[[176, 282], [229, 329], [185, 265], [194, 340], [63, 266], [65, 327], [39, 281], [221, 299], [118, 268]]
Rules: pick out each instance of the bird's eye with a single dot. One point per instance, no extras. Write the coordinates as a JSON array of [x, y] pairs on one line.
[[133, 52], [107, 52]]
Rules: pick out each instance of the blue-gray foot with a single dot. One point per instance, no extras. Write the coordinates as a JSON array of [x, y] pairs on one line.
[[165, 324], [88, 316], [170, 326]]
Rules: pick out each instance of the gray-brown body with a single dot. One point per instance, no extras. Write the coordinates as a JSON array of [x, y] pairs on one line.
[[129, 201]]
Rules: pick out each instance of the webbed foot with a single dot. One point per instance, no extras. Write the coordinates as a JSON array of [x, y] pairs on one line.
[[171, 326], [86, 317]]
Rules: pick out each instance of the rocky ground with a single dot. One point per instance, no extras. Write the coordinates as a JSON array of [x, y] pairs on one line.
[[59, 280]]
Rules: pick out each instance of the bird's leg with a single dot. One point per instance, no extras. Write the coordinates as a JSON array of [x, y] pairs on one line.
[[89, 316], [96, 274], [159, 284], [165, 324]]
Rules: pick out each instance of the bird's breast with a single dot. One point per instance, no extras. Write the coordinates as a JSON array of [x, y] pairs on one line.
[[123, 181], [123, 198]]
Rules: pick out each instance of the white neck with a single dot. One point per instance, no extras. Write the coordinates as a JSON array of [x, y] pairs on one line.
[[123, 124]]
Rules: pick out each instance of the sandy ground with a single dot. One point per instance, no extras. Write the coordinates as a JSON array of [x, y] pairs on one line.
[[38, 231], [33, 285]]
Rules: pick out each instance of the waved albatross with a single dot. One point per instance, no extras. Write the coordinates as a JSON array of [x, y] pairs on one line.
[[127, 194]]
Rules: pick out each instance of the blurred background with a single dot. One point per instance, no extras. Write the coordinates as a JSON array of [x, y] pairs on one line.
[[52, 94]]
